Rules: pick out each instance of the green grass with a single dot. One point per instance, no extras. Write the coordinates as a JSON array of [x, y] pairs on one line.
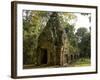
[[81, 62], [77, 63], [29, 66]]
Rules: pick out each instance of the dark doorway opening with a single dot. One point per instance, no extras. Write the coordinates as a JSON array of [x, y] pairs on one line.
[[43, 56], [67, 58], [71, 57]]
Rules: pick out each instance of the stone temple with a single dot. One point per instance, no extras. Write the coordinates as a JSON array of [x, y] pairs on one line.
[[52, 44]]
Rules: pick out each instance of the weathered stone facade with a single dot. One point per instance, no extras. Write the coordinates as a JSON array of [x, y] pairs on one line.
[[52, 44]]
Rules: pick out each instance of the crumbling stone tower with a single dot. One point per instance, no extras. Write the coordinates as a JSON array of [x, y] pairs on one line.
[[51, 43]]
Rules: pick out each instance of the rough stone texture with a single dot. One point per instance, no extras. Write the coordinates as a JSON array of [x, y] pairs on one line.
[[52, 44]]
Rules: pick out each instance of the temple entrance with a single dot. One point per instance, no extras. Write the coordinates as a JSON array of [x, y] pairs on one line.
[[66, 58], [43, 56], [71, 57]]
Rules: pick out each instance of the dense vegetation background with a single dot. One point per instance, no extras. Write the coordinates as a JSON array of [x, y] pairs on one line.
[[35, 21]]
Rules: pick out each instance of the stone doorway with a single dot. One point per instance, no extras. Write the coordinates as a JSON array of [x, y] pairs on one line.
[[43, 56], [67, 59]]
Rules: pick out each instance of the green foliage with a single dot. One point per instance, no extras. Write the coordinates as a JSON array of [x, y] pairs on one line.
[[81, 62], [84, 42], [73, 44], [65, 18], [34, 23], [80, 33]]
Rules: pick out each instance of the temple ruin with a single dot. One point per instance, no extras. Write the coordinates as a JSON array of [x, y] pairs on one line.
[[52, 44]]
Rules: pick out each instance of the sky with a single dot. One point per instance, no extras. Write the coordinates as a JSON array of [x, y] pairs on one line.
[[81, 21]]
